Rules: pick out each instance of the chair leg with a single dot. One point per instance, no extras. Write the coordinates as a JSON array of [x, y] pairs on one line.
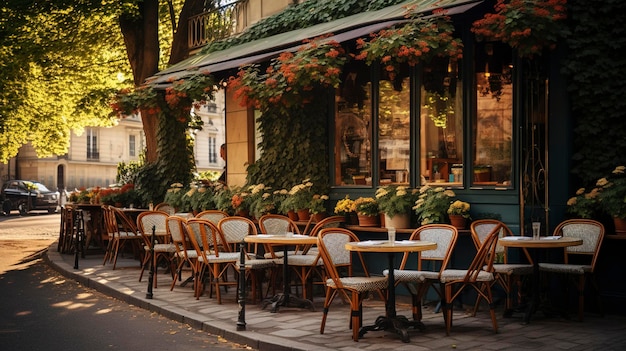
[[447, 308], [355, 314], [581, 297], [492, 309], [330, 296]]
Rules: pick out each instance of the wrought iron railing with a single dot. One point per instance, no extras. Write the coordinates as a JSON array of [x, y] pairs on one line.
[[214, 24]]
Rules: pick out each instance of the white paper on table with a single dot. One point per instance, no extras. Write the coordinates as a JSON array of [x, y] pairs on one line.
[[515, 238], [554, 237], [371, 242]]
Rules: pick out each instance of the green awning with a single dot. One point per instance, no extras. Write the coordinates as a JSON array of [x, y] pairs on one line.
[[343, 29]]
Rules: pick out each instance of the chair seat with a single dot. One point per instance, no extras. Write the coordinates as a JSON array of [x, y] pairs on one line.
[[305, 260], [222, 258], [191, 254], [412, 276], [513, 268], [565, 268], [162, 248], [361, 283], [258, 263], [450, 275], [278, 254]]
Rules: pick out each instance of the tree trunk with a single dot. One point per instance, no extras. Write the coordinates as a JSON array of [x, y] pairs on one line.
[[141, 37]]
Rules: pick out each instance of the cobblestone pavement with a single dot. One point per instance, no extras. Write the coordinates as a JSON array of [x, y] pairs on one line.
[[298, 329]]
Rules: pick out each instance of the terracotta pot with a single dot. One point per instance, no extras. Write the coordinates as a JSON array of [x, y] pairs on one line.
[[369, 221], [458, 221], [400, 221], [620, 225], [317, 217], [292, 215], [304, 215]]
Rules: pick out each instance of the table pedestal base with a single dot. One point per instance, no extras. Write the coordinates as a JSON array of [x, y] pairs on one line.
[[397, 324], [286, 300]]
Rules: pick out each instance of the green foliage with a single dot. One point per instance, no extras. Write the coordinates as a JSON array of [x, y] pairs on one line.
[[57, 72], [592, 64], [302, 15], [396, 199], [432, 204]]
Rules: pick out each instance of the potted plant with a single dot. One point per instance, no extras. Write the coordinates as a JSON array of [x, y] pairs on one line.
[[396, 201], [458, 212], [612, 197], [344, 208], [526, 25], [299, 199], [317, 207], [432, 204], [367, 210], [584, 204]]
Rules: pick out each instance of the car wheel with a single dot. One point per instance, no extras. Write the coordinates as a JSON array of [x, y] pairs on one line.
[[52, 210], [22, 208], [6, 208]]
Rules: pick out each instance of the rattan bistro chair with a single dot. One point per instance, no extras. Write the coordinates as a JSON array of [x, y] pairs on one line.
[[507, 275], [592, 233], [331, 244], [478, 275], [419, 281], [163, 248]]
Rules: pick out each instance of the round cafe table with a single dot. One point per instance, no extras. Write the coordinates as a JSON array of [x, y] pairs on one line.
[[534, 245], [391, 321], [284, 298]]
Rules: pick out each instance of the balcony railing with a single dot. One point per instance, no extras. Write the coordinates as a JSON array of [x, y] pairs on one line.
[[215, 24]]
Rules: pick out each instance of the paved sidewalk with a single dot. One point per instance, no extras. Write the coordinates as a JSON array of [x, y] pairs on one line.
[[298, 329]]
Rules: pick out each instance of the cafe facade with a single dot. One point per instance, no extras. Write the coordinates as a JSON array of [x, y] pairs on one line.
[[491, 124]]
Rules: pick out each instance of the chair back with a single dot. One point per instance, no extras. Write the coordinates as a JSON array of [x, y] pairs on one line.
[[110, 223], [444, 235], [204, 236], [328, 222], [483, 261], [234, 229], [590, 231], [167, 208], [480, 230], [277, 224], [214, 216], [152, 219], [124, 222], [177, 232], [331, 244]]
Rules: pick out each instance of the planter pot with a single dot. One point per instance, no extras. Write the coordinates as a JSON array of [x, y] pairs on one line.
[[620, 226], [458, 221], [304, 215], [292, 215], [400, 221], [317, 217], [369, 221], [352, 218], [242, 213]]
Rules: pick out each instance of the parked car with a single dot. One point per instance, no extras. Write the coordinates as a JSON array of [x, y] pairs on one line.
[[26, 195]]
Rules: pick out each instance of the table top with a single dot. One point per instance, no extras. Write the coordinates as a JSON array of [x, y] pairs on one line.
[[385, 246], [280, 239], [546, 242]]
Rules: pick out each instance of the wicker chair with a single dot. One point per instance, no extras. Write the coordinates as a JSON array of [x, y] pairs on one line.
[[592, 234]]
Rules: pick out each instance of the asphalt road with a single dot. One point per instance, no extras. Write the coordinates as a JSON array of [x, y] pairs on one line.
[[42, 310]]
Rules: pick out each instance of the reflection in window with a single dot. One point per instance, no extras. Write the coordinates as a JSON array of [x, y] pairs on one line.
[[353, 161], [394, 130], [492, 164], [441, 140]]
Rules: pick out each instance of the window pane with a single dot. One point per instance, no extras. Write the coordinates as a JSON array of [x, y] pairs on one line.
[[353, 130], [441, 123], [394, 129], [131, 146], [493, 133]]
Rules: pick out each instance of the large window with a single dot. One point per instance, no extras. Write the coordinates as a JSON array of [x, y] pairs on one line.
[[441, 123], [353, 129], [394, 128], [132, 145], [212, 149], [493, 128]]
